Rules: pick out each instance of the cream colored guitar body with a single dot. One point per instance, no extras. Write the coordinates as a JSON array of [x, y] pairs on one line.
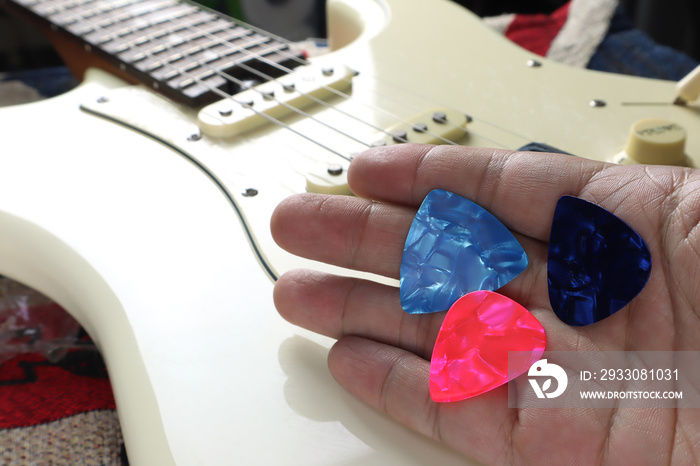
[[153, 240]]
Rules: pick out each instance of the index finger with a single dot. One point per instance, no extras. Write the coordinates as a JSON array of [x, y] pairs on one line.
[[519, 188]]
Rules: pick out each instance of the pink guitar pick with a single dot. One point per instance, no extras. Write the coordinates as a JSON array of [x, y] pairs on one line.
[[471, 352]]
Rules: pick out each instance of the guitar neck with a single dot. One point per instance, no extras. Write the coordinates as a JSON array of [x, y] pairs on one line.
[[190, 54]]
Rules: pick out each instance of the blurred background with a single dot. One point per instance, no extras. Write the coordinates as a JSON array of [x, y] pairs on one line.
[[669, 22], [674, 23]]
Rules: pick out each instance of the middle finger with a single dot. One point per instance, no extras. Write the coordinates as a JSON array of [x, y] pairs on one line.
[[346, 231], [340, 306]]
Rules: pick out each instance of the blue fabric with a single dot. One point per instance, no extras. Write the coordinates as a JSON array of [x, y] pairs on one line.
[[49, 82], [626, 50]]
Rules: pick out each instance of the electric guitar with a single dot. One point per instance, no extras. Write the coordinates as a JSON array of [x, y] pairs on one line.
[[143, 209]]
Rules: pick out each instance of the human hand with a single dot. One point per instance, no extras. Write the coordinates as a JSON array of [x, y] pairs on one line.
[[382, 354]]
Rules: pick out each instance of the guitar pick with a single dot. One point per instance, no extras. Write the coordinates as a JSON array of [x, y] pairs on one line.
[[470, 356], [596, 263], [455, 247]]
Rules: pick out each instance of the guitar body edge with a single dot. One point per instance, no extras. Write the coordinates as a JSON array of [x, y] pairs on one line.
[[124, 234], [136, 228], [35, 257]]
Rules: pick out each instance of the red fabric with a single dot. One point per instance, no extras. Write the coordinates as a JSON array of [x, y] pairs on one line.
[[34, 391], [536, 32]]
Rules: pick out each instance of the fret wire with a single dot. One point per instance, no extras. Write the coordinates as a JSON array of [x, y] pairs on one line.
[[342, 95], [100, 8], [276, 121], [77, 3], [148, 15], [289, 107], [162, 32], [136, 12], [347, 96], [74, 9], [272, 119], [338, 93], [246, 48]]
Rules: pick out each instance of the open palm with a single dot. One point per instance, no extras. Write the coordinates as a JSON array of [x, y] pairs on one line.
[[382, 354]]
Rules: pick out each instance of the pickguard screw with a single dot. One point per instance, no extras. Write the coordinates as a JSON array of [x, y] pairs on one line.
[[597, 103], [534, 63], [195, 137], [250, 192]]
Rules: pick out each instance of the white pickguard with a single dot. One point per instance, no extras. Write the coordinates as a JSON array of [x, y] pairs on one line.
[[143, 244]]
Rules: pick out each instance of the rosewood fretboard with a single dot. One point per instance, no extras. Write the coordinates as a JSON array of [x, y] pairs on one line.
[[179, 48]]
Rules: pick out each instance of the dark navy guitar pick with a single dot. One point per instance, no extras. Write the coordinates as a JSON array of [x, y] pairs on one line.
[[596, 263], [455, 247]]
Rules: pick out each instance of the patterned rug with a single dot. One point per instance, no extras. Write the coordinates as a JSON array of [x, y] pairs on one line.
[[56, 403]]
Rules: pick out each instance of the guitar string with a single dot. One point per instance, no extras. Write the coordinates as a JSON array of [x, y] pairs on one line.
[[243, 104], [337, 92], [288, 70], [270, 118], [233, 79], [203, 33], [344, 95], [470, 116], [340, 93]]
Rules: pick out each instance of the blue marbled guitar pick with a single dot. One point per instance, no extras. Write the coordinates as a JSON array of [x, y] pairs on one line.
[[455, 247], [596, 263]]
